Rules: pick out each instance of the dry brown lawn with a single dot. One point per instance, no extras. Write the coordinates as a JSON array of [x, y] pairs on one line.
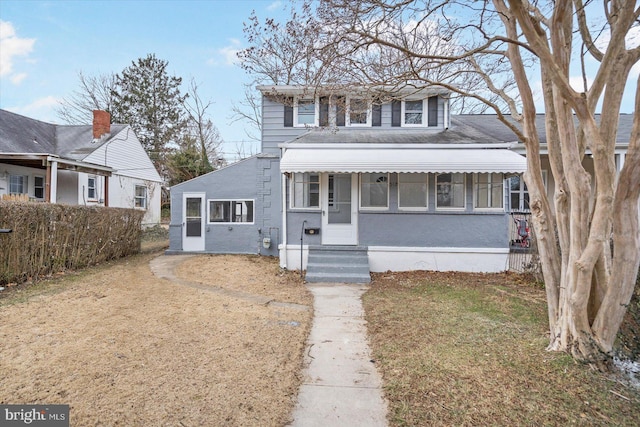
[[123, 347]]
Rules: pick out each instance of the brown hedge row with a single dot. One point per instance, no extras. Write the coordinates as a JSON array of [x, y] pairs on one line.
[[49, 238]]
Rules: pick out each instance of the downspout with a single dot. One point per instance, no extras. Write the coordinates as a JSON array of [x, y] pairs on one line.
[[283, 258]]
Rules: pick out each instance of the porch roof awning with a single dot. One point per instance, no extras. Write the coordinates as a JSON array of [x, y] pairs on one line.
[[402, 159]]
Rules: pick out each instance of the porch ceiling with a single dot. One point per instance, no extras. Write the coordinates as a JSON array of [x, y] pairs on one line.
[[402, 159]]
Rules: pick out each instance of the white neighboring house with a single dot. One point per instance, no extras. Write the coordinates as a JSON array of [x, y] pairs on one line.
[[101, 164]]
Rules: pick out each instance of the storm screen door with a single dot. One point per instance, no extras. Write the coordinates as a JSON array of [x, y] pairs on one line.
[[193, 221], [339, 209]]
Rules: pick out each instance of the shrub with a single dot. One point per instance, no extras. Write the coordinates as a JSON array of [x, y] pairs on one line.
[[48, 238]]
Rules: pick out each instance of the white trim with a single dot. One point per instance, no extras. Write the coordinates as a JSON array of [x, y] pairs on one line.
[[481, 260], [425, 113], [464, 193], [475, 193], [347, 117], [316, 111], [208, 212], [360, 193], [292, 254]]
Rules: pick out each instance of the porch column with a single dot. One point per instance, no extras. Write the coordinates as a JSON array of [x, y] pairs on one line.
[[51, 189], [106, 190]]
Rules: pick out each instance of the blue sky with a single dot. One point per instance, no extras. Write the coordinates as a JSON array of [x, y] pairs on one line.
[[46, 43]]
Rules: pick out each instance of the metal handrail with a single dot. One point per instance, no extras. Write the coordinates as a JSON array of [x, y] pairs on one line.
[[301, 244]]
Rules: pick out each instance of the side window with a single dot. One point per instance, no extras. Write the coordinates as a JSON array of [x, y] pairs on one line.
[[519, 194], [38, 187], [305, 190], [231, 211], [304, 112], [359, 112], [18, 184], [450, 190], [412, 114], [91, 188], [140, 200]]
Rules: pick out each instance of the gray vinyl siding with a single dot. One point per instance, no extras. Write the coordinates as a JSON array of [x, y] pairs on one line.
[[274, 132], [256, 178]]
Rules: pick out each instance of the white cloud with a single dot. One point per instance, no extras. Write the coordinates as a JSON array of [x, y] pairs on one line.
[[11, 47], [275, 5], [577, 83], [228, 54], [16, 79], [40, 109]]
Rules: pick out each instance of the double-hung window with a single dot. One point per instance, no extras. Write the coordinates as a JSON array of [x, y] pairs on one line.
[[488, 191], [412, 191], [305, 191], [91, 188], [18, 184], [38, 187], [140, 197], [374, 191], [305, 112], [413, 113], [519, 194], [359, 112], [450, 191], [231, 211]]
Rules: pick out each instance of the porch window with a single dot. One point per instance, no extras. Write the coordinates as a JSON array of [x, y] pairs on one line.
[[450, 191], [305, 112], [140, 199], [374, 190], [519, 194], [412, 191], [91, 188], [18, 184], [488, 191], [38, 187], [305, 190], [231, 211]]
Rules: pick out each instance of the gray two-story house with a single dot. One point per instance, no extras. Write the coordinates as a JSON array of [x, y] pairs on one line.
[[395, 181]]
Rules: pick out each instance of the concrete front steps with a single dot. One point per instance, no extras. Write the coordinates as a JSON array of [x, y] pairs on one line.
[[338, 264]]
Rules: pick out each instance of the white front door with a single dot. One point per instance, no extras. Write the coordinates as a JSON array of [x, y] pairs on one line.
[[339, 209], [193, 219]]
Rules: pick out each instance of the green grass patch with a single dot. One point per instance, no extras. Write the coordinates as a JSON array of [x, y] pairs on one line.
[[469, 349]]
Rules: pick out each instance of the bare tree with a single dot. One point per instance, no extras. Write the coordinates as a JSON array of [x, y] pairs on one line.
[[249, 110], [488, 53], [93, 93], [201, 128]]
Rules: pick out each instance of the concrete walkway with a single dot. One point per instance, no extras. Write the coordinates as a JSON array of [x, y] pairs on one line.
[[341, 386]]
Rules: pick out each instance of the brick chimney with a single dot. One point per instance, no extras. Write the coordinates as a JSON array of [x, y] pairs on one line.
[[101, 123]]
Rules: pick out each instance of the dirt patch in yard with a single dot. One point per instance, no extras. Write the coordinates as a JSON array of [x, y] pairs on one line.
[[123, 347]]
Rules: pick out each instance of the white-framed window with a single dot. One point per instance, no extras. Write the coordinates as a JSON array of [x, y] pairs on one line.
[[519, 194], [231, 211], [18, 184], [38, 187], [374, 191], [450, 191], [359, 112], [140, 197], [91, 188], [305, 112], [414, 113], [305, 191], [488, 191], [413, 191]]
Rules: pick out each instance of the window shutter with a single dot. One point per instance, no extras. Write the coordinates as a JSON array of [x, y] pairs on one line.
[[341, 106], [396, 112], [433, 111], [376, 115], [288, 112], [324, 111]]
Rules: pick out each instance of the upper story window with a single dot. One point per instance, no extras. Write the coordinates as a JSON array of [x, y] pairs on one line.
[[304, 112], [415, 112], [18, 184], [359, 112], [450, 189]]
